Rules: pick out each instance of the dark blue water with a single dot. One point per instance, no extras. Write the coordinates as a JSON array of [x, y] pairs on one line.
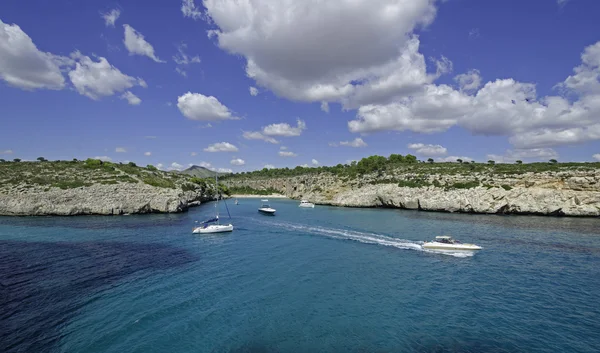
[[306, 280]]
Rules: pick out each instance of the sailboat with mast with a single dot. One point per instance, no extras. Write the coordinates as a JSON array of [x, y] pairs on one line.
[[213, 225]]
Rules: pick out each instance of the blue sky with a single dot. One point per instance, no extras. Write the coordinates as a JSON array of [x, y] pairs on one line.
[[335, 81]]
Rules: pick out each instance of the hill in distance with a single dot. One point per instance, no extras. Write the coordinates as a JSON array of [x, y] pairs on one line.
[[201, 172]]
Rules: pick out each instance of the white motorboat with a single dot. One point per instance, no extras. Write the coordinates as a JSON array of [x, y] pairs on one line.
[[265, 208], [445, 242], [206, 227], [305, 203], [236, 202]]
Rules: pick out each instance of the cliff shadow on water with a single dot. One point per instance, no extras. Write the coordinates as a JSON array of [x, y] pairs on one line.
[[33, 311]]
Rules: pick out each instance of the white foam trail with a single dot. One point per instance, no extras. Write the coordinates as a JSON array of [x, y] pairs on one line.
[[366, 238]]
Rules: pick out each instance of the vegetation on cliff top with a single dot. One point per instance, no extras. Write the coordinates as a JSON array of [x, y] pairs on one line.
[[74, 174], [410, 164]]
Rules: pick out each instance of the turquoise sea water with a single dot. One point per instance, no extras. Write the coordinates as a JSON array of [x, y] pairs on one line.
[[306, 280]]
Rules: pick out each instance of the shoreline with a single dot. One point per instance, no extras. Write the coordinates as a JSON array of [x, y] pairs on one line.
[[272, 196]]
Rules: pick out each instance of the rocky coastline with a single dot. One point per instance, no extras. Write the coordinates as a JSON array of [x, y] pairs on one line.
[[94, 187], [576, 193], [99, 200]]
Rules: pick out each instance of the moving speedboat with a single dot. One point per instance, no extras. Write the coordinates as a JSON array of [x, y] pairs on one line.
[[265, 208], [306, 204], [445, 242]]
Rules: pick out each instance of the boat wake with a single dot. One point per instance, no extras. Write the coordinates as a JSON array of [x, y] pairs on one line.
[[367, 238]]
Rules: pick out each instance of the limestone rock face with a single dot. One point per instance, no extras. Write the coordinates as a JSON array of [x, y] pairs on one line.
[[575, 194], [98, 199]]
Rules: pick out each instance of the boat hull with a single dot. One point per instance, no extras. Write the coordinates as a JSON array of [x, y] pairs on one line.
[[270, 211], [310, 205], [214, 228], [444, 246]]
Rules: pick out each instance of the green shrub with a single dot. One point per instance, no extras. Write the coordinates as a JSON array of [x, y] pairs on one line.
[[70, 184], [93, 162], [131, 164], [158, 182], [465, 185], [189, 187], [151, 167], [17, 160], [126, 179], [413, 183]]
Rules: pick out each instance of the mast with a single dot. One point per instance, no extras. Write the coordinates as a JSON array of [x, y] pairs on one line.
[[217, 193]]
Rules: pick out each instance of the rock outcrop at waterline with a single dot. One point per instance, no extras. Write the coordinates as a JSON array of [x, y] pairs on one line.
[[98, 200], [554, 194], [66, 188]]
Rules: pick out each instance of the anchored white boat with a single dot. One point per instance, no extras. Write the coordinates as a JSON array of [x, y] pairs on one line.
[[206, 226], [445, 242], [265, 208], [236, 202], [305, 203]]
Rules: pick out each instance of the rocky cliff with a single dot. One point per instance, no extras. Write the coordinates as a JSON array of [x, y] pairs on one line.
[[99, 200], [564, 193], [76, 188]]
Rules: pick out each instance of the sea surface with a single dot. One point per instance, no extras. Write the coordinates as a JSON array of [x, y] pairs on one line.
[[306, 280]]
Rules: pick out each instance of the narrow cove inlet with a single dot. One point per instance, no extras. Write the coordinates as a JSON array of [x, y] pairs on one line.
[[324, 278], [294, 176]]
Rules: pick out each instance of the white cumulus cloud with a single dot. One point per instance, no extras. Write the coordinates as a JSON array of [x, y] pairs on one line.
[[253, 91], [237, 161], [315, 162], [284, 129], [176, 166], [454, 159], [280, 129], [325, 107], [503, 107], [269, 166], [357, 142], [24, 66], [131, 98], [469, 81], [428, 150], [136, 44], [6, 151], [103, 158], [257, 135], [147, 153], [189, 9], [533, 154], [120, 150], [597, 156], [287, 154], [111, 17], [97, 79], [196, 106], [221, 147], [297, 50]]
